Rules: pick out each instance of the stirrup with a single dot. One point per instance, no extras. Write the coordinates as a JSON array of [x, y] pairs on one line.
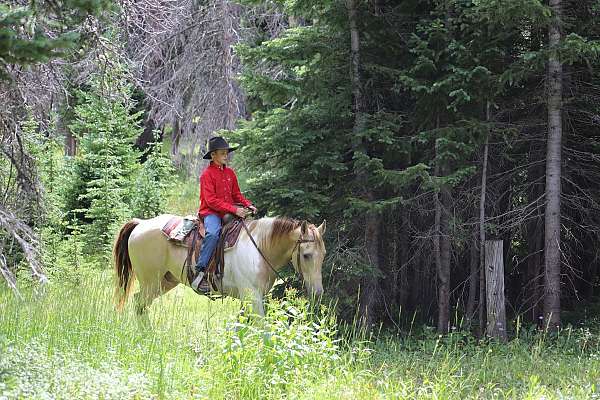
[[198, 286]]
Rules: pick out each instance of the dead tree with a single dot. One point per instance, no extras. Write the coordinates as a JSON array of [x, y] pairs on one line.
[[183, 59]]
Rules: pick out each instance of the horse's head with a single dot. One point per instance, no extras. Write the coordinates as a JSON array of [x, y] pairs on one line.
[[308, 256]]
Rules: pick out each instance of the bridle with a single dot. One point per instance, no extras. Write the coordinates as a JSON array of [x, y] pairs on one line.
[[300, 240]]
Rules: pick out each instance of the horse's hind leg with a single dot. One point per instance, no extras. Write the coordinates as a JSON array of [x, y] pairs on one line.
[[143, 299], [150, 291], [140, 306]]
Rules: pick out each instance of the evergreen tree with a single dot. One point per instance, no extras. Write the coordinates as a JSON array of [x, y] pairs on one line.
[[151, 183], [441, 79], [101, 183], [23, 38]]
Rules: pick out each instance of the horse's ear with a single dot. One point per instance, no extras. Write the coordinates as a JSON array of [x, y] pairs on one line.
[[322, 227], [304, 227]]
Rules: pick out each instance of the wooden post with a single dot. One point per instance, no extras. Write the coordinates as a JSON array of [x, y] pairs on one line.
[[494, 279]]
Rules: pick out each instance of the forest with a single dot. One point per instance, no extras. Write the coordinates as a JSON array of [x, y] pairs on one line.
[[422, 131]]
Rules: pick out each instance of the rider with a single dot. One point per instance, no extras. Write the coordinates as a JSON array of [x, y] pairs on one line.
[[219, 194]]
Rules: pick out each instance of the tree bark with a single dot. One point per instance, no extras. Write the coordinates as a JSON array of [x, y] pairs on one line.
[[473, 269], [441, 244], [534, 266], [404, 288], [482, 228], [552, 261], [370, 291], [494, 272], [437, 255], [444, 272]]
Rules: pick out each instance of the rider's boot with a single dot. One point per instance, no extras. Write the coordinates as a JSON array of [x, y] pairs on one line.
[[199, 284]]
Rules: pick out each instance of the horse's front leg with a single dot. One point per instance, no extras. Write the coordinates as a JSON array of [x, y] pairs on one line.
[[258, 304], [255, 298]]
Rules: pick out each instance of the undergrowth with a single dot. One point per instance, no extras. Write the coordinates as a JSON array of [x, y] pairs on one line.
[[68, 342]]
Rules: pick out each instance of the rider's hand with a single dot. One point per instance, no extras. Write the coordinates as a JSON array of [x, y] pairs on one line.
[[241, 212], [253, 209]]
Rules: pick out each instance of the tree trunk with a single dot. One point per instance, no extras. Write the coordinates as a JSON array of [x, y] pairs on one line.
[[437, 255], [482, 228], [533, 284], [370, 291], [403, 250], [534, 263], [441, 244], [230, 12], [147, 135], [418, 280], [444, 272], [70, 143], [472, 298], [175, 137], [494, 273], [552, 261]]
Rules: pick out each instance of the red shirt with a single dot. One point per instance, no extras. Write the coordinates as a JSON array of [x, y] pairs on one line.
[[219, 191]]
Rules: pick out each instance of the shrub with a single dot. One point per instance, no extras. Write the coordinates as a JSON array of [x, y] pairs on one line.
[[296, 344]]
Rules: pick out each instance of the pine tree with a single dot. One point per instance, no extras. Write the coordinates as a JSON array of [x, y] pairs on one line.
[[443, 85], [103, 171], [24, 40], [151, 183]]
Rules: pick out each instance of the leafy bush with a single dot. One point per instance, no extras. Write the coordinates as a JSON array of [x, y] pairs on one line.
[[292, 344]]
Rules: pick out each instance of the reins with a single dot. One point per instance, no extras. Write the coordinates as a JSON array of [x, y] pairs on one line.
[[296, 245]]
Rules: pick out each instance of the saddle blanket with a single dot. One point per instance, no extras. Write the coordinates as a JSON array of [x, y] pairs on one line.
[[178, 229]]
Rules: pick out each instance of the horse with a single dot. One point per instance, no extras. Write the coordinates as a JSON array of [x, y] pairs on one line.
[[142, 251]]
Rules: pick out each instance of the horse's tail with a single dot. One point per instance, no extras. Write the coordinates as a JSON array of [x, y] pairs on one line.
[[124, 272]]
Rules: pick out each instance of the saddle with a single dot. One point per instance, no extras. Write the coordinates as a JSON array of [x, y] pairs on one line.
[[189, 232]]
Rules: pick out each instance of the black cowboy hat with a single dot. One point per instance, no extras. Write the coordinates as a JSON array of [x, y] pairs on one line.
[[217, 143]]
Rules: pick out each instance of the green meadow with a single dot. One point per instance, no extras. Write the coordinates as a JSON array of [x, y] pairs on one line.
[[67, 342]]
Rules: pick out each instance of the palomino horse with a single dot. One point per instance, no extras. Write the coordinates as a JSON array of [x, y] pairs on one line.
[[141, 250]]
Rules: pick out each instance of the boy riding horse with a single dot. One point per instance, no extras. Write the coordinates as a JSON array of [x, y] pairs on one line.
[[219, 194]]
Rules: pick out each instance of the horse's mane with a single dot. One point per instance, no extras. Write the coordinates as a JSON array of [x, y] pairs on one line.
[[270, 230], [281, 227]]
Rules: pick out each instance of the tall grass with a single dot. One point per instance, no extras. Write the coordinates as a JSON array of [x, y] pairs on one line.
[[79, 322], [68, 343]]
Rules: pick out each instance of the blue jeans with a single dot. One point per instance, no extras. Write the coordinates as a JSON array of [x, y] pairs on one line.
[[212, 224]]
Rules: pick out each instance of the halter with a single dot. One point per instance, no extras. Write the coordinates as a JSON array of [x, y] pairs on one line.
[[300, 240], [297, 245]]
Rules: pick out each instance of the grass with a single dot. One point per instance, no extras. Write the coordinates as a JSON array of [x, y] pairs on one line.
[[184, 196], [68, 343]]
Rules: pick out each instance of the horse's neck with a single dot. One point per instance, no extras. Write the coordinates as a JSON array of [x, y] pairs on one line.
[[281, 253]]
